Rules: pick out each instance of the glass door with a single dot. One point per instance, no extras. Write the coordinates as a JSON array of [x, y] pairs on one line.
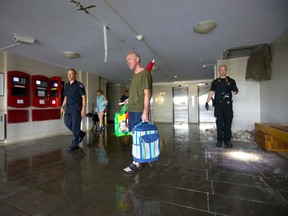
[[180, 105]]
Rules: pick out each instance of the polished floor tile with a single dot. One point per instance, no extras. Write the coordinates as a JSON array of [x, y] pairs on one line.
[[192, 177]]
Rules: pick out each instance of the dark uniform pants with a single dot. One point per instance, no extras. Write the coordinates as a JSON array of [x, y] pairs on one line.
[[224, 115], [72, 120]]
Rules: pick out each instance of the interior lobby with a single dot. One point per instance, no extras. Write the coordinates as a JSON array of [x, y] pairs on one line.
[[188, 41]]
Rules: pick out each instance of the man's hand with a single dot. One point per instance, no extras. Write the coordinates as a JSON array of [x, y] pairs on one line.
[[207, 106], [83, 113], [145, 117], [62, 111], [213, 102], [235, 92]]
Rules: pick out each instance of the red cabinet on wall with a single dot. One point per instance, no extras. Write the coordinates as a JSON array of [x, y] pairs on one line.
[[55, 93], [18, 89], [39, 91], [17, 116]]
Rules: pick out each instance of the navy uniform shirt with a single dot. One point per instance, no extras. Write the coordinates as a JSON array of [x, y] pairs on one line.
[[223, 87], [74, 93]]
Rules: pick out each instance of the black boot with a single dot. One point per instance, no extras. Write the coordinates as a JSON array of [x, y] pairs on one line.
[[219, 143], [228, 144]]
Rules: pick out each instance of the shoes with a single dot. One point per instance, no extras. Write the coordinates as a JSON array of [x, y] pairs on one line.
[[71, 148], [100, 128], [219, 143], [227, 144], [133, 168], [83, 134]]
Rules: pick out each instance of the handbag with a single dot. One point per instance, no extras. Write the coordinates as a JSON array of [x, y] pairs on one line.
[[96, 109], [146, 143], [104, 103], [121, 122]]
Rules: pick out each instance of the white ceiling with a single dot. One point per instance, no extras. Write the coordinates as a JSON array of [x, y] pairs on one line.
[[167, 26]]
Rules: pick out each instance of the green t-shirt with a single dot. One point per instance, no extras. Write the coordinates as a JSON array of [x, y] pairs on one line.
[[139, 83]]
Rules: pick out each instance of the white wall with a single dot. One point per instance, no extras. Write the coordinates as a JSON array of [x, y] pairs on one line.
[[91, 83], [193, 104], [246, 105], [2, 70], [162, 103], [273, 93]]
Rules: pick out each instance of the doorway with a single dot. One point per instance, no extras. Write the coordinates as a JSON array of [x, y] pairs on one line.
[[180, 105]]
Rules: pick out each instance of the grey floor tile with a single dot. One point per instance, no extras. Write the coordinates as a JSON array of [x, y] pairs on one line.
[[233, 206], [78, 209], [155, 207], [9, 187], [35, 201], [187, 198], [113, 200], [235, 178], [193, 181], [6, 209], [255, 194]]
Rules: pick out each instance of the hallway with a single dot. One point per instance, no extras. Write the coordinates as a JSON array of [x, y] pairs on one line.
[[192, 177]]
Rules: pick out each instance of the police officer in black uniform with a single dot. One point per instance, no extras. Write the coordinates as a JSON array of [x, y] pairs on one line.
[[223, 87], [75, 102]]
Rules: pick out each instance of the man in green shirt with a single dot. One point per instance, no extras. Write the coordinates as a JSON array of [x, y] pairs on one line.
[[139, 98]]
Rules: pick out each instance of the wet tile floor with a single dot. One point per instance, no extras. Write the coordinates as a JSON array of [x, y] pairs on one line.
[[192, 177]]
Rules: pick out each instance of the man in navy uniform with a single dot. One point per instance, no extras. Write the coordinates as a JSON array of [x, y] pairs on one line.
[[223, 87], [75, 102]]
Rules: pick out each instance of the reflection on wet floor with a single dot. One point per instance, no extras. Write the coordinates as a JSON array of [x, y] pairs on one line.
[[192, 177]]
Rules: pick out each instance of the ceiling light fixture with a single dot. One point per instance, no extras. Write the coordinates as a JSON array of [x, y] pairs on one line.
[[205, 27], [207, 65], [71, 55], [140, 37]]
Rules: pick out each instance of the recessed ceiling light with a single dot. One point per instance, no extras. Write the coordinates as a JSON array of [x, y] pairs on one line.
[[208, 65], [205, 27], [140, 37], [71, 55]]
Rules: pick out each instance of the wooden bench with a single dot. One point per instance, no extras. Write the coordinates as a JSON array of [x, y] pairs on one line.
[[272, 137]]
